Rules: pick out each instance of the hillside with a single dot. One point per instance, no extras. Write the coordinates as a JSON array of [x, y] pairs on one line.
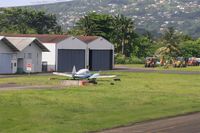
[[152, 15]]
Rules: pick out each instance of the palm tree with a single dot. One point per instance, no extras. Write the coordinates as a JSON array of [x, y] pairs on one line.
[[170, 40], [124, 28], [96, 24], [86, 25]]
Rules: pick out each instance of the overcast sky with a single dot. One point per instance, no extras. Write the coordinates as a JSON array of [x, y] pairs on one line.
[[13, 3]]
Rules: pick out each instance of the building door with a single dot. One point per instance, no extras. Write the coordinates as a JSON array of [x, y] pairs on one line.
[[44, 66], [100, 60], [14, 66], [20, 65], [67, 58]]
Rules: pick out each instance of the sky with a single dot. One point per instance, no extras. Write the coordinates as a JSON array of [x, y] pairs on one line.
[[14, 3]]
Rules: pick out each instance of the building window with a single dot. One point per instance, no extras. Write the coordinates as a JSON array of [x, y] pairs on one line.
[[29, 56]]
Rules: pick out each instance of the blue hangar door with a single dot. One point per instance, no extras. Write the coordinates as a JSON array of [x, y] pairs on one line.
[[100, 60], [5, 63], [67, 58]]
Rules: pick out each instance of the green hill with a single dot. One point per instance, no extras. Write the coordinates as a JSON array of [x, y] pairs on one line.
[[151, 15]]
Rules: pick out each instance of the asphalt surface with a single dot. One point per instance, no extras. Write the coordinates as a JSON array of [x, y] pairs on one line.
[[36, 87], [152, 70], [23, 75], [182, 124]]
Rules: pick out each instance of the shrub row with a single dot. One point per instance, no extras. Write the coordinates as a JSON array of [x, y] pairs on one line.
[[121, 59]]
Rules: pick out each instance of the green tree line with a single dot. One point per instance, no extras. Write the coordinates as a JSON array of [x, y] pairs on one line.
[[26, 20], [119, 30]]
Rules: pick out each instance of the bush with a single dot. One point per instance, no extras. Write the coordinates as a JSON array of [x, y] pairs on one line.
[[136, 60], [121, 59]]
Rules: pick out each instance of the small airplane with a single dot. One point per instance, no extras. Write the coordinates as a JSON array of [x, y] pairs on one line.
[[84, 74]]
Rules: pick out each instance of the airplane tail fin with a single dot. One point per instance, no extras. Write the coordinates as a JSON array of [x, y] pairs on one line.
[[74, 70]]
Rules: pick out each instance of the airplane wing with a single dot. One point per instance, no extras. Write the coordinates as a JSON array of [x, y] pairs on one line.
[[98, 76], [63, 74], [106, 76]]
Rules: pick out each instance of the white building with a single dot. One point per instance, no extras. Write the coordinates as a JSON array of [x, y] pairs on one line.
[[50, 42], [29, 53]]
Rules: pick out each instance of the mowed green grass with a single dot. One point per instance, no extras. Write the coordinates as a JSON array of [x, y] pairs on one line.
[[138, 97]]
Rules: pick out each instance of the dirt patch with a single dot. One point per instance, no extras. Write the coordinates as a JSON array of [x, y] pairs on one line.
[[67, 83], [14, 86], [39, 87], [9, 85], [63, 84]]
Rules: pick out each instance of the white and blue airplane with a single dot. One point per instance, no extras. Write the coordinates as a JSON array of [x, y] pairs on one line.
[[84, 74]]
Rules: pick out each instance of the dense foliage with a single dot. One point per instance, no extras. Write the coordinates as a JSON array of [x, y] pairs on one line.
[[190, 48], [26, 20], [132, 47]]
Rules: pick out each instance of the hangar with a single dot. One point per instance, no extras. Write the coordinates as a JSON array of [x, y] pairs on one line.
[[92, 52], [100, 53], [71, 52]]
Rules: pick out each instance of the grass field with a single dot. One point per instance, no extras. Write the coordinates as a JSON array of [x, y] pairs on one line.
[[138, 97], [189, 68]]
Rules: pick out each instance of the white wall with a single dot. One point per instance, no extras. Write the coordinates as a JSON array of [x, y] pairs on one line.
[[71, 43], [4, 49], [50, 57], [36, 60], [101, 44]]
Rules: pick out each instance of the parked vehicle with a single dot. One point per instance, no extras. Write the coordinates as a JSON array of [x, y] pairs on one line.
[[193, 62], [150, 62], [180, 62], [198, 60]]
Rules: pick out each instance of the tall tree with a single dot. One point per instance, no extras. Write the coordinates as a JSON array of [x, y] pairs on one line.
[[87, 25], [123, 31], [96, 24], [146, 47]]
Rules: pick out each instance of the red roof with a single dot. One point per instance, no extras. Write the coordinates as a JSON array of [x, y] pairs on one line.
[[87, 39], [45, 38]]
